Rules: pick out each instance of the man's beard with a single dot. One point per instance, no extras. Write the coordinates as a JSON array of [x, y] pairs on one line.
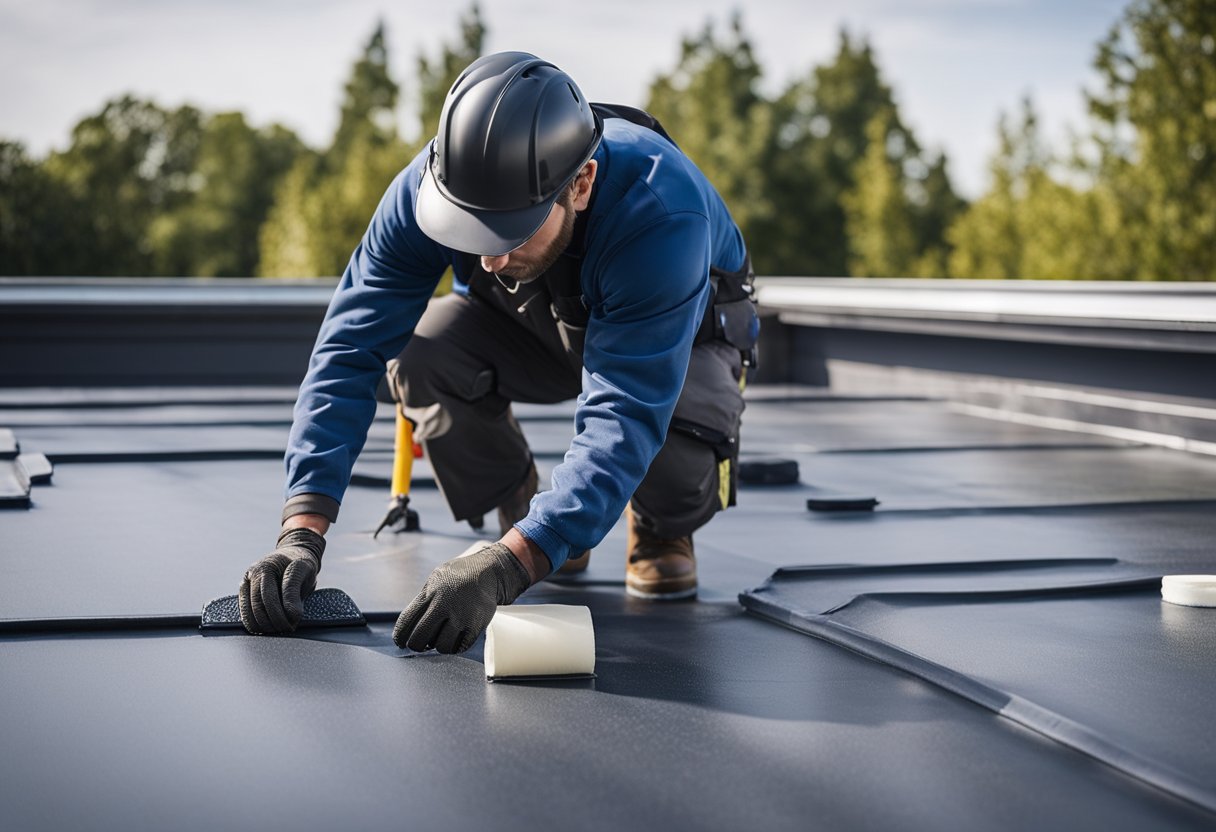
[[527, 272]]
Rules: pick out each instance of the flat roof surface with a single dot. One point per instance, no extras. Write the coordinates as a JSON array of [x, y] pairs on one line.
[[1005, 555]]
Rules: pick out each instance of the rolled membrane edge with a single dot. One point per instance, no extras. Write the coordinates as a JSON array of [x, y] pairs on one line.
[[1189, 590], [540, 640]]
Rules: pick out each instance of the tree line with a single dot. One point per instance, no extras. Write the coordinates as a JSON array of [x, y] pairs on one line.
[[824, 178]]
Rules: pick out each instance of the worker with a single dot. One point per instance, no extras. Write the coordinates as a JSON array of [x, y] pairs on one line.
[[591, 260]]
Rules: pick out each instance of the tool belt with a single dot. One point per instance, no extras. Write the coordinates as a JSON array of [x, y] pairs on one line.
[[729, 316]]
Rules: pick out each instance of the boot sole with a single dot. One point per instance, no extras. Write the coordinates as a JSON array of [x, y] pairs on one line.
[[674, 595]]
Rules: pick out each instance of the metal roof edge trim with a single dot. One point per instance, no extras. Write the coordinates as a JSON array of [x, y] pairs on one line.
[[162, 292], [1187, 308]]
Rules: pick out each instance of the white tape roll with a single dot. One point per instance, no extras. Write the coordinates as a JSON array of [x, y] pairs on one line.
[[540, 640], [1189, 590], [475, 548]]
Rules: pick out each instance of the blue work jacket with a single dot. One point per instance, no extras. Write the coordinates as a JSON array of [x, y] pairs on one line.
[[654, 228]]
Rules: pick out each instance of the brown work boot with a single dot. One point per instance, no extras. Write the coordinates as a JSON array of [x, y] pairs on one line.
[[516, 509], [573, 566], [516, 506], [658, 569]]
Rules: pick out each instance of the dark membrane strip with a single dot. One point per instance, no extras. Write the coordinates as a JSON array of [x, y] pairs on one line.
[[1095, 445], [377, 481], [327, 607], [1038, 508], [373, 632], [801, 572], [86, 625], [126, 397], [758, 395], [198, 455], [822, 590], [137, 424], [332, 618], [1019, 710], [947, 596]]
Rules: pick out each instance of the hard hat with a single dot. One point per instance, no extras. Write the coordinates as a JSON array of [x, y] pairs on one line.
[[514, 132]]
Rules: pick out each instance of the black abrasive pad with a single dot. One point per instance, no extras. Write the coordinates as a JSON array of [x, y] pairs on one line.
[[324, 608]]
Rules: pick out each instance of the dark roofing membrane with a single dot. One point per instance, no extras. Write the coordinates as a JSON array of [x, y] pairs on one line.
[[1017, 564]]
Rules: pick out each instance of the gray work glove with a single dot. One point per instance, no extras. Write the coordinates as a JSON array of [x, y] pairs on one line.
[[459, 599], [273, 590]]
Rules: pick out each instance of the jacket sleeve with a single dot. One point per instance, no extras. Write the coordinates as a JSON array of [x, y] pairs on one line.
[[383, 292], [652, 289]]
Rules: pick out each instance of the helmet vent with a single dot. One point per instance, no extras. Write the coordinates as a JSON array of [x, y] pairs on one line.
[[508, 139]]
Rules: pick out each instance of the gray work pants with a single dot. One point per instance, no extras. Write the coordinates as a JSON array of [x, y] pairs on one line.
[[470, 358]]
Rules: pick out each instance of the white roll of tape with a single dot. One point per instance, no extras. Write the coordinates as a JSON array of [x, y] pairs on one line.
[[540, 640], [1189, 590], [475, 548]]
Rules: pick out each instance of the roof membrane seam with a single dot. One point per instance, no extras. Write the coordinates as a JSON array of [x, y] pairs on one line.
[[1143, 437], [1017, 709]]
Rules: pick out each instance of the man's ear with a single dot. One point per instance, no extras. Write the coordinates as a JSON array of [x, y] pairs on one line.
[[582, 185]]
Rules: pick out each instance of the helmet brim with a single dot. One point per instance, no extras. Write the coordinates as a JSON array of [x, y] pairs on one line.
[[474, 231]]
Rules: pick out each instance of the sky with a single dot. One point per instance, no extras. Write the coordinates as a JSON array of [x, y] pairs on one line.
[[954, 65]]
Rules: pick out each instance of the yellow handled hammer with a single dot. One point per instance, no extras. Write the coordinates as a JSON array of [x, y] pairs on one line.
[[400, 515]]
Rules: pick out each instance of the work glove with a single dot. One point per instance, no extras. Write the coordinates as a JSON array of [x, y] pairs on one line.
[[272, 593], [459, 599]]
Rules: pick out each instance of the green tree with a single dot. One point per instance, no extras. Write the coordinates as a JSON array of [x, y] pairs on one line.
[[124, 166], [987, 240], [436, 78], [40, 230], [819, 141], [711, 106], [286, 246], [1142, 204], [935, 206], [369, 106], [324, 202], [1031, 225], [236, 173], [143, 190], [879, 213], [1156, 134]]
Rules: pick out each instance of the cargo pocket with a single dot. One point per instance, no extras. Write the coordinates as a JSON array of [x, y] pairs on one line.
[[710, 409], [726, 452]]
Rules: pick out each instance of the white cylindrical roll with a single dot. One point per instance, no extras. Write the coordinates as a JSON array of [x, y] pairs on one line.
[[540, 640], [1189, 590], [475, 548]]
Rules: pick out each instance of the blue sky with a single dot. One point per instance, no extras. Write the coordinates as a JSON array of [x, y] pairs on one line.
[[954, 64]]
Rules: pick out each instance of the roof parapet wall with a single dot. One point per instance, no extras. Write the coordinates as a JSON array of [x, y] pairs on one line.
[[1130, 360]]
